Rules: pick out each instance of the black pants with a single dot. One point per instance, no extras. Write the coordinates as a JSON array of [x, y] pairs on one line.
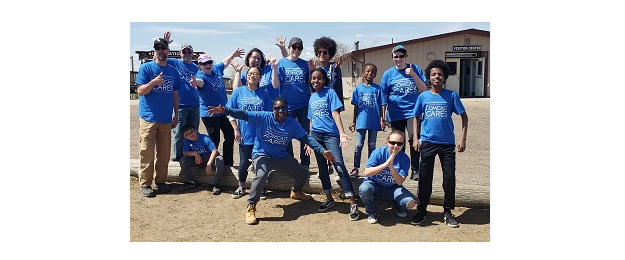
[[213, 125], [447, 155], [401, 125]]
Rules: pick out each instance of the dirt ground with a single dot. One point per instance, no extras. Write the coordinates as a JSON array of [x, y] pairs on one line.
[[200, 216]]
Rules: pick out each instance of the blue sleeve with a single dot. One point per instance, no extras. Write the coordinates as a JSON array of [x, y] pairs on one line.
[[335, 103], [458, 107], [186, 146], [143, 77], [404, 165], [233, 101], [373, 159], [243, 78], [417, 108], [419, 72], [209, 143], [355, 97], [306, 139]]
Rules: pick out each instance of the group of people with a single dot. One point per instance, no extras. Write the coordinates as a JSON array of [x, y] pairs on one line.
[[277, 100]]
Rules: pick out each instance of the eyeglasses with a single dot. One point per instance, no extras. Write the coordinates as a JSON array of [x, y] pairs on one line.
[[281, 109], [254, 74], [187, 52], [322, 52], [396, 143], [208, 62], [160, 47], [399, 57], [297, 47]]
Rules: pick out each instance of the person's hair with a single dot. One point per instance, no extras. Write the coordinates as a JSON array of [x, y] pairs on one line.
[[280, 99], [326, 43], [437, 64], [326, 80], [403, 136], [186, 128], [370, 64], [263, 61]]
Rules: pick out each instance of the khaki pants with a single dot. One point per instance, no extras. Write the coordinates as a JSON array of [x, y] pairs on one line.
[[154, 138]]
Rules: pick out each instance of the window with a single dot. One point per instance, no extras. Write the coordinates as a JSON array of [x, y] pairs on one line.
[[479, 68], [452, 67]]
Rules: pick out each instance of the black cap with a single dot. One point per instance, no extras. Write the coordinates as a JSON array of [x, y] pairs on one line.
[[161, 41], [295, 40]]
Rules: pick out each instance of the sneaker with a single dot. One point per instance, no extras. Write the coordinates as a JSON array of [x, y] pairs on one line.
[[216, 190], [326, 205], [147, 191], [373, 218], [176, 159], [330, 169], [354, 173], [418, 218], [401, 213], [250, 215], [450, 220], [238, 193], [353, 212], [414, 175], [162, 187], [263, 194], [300, 195]]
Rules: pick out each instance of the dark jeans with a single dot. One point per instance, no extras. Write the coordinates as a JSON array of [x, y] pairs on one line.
[[245, 154], [213, 125], [447, 155], [301, 115], [401, 125]]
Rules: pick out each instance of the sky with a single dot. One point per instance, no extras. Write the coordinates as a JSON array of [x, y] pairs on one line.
[[220, 39]]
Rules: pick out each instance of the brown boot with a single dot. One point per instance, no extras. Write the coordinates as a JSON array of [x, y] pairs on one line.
[[300, 195], [250, 215]]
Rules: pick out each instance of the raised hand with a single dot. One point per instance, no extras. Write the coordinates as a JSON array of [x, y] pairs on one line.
[[237, 67], [238, 53], [280, 41], [409, 70], [166, 36], [311, 64], [273, 61]]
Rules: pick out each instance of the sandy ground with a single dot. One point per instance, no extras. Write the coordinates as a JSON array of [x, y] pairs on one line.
[[200, 216]]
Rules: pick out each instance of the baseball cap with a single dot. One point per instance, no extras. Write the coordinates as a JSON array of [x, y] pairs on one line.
[[204, 58], [161, 41], [185, 46], [399, 48], [295, 40]]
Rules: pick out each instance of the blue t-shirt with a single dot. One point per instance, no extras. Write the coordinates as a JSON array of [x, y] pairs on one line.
[[401, 92], [158, 105], [435, 110], [320, 109], [294, 86], [401, 163], [245, 99], [272, 137], [188, 94], [203, 145], [368, 100], [214, 91], [265, 82]]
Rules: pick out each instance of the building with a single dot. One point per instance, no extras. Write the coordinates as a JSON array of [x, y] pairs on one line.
[[466, 52]]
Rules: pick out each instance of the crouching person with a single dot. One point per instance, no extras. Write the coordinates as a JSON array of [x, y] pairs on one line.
[[199, 151]]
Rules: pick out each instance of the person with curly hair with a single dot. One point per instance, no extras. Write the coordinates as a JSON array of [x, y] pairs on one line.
[[325, 50]]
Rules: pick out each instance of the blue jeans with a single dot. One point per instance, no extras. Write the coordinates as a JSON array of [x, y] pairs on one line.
[[301, 114], [360, 141], [331, 142], [370, 190], [186, 115], [245, 155]]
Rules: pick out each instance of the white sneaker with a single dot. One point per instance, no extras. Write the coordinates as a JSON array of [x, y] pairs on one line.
[[238, 193], [373, 219]]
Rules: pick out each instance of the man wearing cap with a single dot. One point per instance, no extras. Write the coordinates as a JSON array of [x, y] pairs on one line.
[[189, 107], [401, 84], [291, 75], [158, 85]]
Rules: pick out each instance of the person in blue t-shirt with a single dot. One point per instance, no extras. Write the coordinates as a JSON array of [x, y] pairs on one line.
[[200, 151], [369, 105], [212, 88], [189, 107], [256, 58], [434, 108], [291, 75], [248, 98], [327, 129], [158, 85], [274, 132], [401, 85], [385, 172]]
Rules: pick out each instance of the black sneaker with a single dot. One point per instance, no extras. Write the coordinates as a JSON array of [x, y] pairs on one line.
[[189, 185], [353, 212], [263, 194], [147, 191], [414, 175], [326, 205], [450, 220], [162, 188], [238, 193], [401, 213], [419, 218]]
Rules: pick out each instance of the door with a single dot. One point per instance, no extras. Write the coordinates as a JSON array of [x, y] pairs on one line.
[[478, 77]]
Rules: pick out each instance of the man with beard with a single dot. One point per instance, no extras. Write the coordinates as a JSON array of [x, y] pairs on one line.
[[158, 85]]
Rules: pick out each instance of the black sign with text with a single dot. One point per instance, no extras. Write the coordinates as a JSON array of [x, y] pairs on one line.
[[468, 48]]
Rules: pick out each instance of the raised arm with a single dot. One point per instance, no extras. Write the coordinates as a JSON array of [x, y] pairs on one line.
[[236, 82], [275, 81], [280, 43], [420, 84], [235, 54]]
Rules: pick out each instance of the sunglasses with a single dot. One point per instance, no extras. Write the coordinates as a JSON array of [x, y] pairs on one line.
[[396, 143], [399, 57], [322, 52], [208, 62], [297, 47], [160, 47], [187, 52], [281, 109]]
